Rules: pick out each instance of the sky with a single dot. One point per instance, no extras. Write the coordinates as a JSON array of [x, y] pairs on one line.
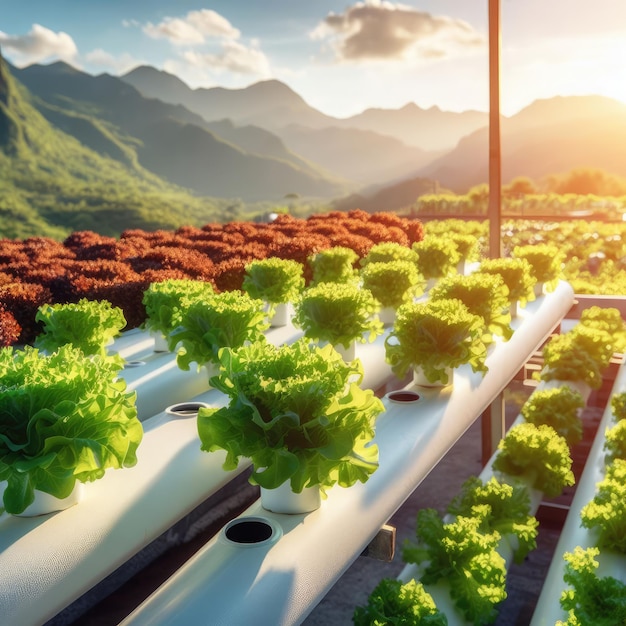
[[342, 57]]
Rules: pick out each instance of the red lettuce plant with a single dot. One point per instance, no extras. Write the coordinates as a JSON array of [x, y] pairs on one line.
[[10, 330]]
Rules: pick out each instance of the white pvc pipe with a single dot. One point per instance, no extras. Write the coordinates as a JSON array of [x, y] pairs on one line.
[[548, 609], [280, 583], [48, 562]]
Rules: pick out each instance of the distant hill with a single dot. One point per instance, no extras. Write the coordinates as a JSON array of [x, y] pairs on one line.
[[274, 106], [269, 104], [146, 150], [52, 184], [429, 129], [399, 197], [549, 137], [204, 162], [361, 155]]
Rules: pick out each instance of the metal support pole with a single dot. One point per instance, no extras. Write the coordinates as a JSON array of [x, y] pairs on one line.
[[493, 427], [495, 161]]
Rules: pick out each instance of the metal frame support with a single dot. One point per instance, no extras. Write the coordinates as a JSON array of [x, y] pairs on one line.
[[383, 546], [493, 427]]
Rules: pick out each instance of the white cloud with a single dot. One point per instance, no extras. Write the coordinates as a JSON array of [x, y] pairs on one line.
[[209, 44], [40, 44], [234, 57], [192, 29], [212, 24], [385, 31]]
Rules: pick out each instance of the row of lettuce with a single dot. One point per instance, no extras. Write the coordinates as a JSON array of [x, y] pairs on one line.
[[46, 402], [491, 521], [87, 265], [590, 598], [593, 252], [40, 271]]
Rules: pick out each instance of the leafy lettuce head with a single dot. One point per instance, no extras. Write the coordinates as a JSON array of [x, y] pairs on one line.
[[338, 313], [297, 412], [435, 335], [63, 417], [89, 325]]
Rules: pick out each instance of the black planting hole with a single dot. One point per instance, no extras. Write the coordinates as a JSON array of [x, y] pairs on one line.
[[134, 363], [185, 409], [249, 531], [403, 396]]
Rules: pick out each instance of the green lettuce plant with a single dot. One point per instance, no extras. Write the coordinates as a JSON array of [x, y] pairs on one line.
[[297, 412], [404, 604], [590, 599], [64, 417], [436, 256], [502, 508], [606, 512], [467, 245], [581, 354], [460, 553], [516, 274], [89, 325], [166, 301], [435, 335], [274, 280], [392, 283], [546, 262], [334, 265], [484, 295], [538, 454], [225, 320], [608, 319], [618, 405], [386, 251], [615, 441], [339, 313], [558, 407]]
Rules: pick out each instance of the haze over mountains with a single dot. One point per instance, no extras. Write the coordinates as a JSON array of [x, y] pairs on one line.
[[273, 105], [264, 142]]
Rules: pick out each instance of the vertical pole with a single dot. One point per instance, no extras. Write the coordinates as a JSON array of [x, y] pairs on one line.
[[493, 427], [495, 161], [492, 420]]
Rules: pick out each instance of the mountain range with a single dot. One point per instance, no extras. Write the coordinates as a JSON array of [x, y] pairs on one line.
[[263, 143], [53, 184]]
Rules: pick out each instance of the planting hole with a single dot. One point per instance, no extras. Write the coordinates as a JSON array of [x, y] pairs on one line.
[[185, 409], [404, 396], [134, 364], [251, 531]]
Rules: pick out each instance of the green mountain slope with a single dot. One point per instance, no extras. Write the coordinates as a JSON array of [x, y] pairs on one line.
[[151, 123], [269, 103], [212, 166], [362, 155], [273, 105], [52, 184]]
